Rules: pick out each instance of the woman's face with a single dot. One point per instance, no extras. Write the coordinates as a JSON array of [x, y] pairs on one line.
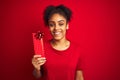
[[58, 25]]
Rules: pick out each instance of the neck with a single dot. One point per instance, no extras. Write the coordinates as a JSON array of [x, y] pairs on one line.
[[60, 44]]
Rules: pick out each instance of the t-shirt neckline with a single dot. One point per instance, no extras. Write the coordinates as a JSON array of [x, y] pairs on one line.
[[60, 50]]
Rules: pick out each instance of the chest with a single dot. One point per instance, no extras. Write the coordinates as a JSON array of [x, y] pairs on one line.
[[57, 61]]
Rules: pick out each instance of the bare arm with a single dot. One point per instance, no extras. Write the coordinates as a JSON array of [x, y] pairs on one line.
[[79, 75], [37, 73]]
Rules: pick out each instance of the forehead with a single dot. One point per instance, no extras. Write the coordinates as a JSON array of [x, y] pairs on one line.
[[57, 17]]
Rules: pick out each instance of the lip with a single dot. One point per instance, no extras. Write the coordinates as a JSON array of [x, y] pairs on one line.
[[56, 33]]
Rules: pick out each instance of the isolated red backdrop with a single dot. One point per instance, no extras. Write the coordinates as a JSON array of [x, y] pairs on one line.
[[95, 25]]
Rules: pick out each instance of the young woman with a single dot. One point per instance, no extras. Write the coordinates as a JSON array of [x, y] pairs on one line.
[[62, 57]]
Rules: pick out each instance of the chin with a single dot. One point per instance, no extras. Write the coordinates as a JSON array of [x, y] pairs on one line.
[[57, 38]]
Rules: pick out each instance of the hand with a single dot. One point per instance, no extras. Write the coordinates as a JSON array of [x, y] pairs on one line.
[[38, 61]]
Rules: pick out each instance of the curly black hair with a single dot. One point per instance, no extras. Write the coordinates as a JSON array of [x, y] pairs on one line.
[[60, 9]]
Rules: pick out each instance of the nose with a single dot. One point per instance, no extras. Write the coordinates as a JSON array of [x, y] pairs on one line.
[[56, 27]]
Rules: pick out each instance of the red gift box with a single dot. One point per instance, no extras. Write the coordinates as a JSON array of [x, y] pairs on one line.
[[38, 45]]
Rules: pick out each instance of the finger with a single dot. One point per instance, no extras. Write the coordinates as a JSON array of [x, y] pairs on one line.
[[42, 58], [35, 60], [36, 56], [41, 61]]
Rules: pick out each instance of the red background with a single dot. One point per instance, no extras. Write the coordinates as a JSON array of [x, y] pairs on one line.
[[95, 25]]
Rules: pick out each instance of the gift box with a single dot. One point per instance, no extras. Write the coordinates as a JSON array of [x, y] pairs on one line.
[[38, 44]]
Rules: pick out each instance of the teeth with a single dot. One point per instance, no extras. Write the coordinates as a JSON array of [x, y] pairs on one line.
[[56, 33]]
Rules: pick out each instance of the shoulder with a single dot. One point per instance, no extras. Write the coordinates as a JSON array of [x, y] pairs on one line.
[[75, 45], [78, 48]]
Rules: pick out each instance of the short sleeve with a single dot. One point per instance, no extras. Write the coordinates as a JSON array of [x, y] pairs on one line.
[[80, 62]]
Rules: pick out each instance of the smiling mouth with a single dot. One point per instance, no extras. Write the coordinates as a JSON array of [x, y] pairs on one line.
[[56, 33]]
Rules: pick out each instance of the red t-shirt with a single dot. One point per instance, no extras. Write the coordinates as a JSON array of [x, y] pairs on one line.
[[61, 65]]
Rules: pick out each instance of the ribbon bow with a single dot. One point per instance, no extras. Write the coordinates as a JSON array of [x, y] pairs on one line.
[[39, 35]]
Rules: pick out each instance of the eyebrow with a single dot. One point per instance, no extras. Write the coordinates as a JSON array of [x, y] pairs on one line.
[[57, 21], [60, 20]]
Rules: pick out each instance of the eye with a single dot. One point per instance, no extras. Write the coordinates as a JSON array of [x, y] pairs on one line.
[[61, 24], [51, 25]]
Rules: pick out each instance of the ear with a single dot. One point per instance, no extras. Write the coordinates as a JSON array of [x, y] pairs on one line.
[[67, 26]]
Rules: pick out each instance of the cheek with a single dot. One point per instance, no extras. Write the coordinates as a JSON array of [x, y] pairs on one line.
[[50, 29], [64, 29]]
